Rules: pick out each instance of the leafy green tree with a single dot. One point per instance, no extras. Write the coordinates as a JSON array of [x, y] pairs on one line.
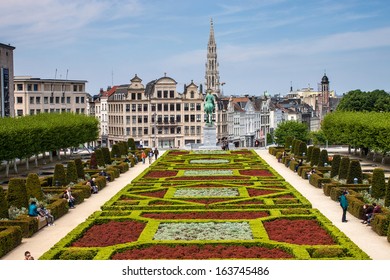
[[293, 129], [302, 148], [354, 171], [360, 101], [318, 137], [309, 152], [270, 139], [33, 186], [71, 172], [378, 186], [344, 165], [288, 142], [59, 177], [115, 151], [335, 166]]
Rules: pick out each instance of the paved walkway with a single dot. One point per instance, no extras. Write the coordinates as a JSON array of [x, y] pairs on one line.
[[375, 246]]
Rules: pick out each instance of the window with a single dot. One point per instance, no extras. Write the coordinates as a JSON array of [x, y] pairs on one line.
[[77, 99], [178, 107], [145, 119], [62, 100], [186, 118], [19, 86], [127, 107], [198, 130], [171, 94], [133, 96], [38, 111], [146, 131], [19, 100], [192, 130], [139, 107], [185, 106], [127, 120], [159, 107], [178, 118], [192, 106], [192, 118], [51, 100], [134, 131], [77, 110], [127, 130], [46, 110], [82, 99], [57, 99], [172, 107], [178, 130], [166, 118], [165, 94], [29, 87], [192, 94], [19, 112], [134, 119], [159, 94], [172, 130], [31, 100], [145, 107], [139, 96], [166, 107], [46, 100], [74, 87], [198, 107], [133, 107], [32, 111], [139, 119], [140, 131], [153, 107], [68, 99], [35, 87], [198, 117]]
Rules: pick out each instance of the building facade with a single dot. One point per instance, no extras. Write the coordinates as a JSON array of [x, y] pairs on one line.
[[35, 95], [6, 80]]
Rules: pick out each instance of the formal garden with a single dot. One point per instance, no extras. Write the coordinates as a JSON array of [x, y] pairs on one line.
[[206, 205]]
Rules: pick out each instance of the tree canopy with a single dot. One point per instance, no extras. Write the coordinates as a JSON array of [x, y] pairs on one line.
[[293, 129], [361, 101]]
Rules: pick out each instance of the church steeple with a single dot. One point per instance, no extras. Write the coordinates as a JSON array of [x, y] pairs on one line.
[[212, 72]]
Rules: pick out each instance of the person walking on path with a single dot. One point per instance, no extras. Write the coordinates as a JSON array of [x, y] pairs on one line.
[[344, 205], [155, 153], [143, 156]]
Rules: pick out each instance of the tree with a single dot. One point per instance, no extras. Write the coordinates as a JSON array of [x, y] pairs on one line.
[[317, 137], [293, 129], [93, 162], [17, 193], [302, 148], [33, 186], [387, 196], [99, 158], [360, 101], [3, 204], [378, 186], [131, 144], [79, 168], [115, 151], [309, 152], [106, 155], [354, 172]]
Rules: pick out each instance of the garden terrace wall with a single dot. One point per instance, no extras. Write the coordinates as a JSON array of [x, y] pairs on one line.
[[10, 237]]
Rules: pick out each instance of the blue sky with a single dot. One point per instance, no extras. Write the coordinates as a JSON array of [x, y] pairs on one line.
[[262, 45]]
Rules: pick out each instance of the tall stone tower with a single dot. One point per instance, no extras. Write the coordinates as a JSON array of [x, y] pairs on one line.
[[212, 65]]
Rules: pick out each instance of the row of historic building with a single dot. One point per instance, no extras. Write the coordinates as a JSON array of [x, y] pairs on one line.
[[158, 113]]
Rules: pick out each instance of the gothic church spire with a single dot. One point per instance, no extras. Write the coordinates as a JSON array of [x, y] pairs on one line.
[[212, 72]]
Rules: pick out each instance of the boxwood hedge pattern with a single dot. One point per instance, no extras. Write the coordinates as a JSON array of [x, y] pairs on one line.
[[263, 197]]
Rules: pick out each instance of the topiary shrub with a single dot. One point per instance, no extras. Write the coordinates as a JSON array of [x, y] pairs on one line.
[[78, 254], [315, 156], [302, 148], [3, 204], [59, 178], [71, 172], [106, 155], [79, 168], [288, 142], [131, 144], [344, 165], [354, 171], [378, 185], [387, 196], [115, 151], [323, 158], [335, 166], [100, 158], [309, 152], [33, 186], [93, 162], [17, 193]]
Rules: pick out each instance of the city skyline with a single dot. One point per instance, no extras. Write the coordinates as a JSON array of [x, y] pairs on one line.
[[262, 46]]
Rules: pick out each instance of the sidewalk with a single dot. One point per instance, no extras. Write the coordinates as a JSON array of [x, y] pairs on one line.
[[377, 247], [47, 237]]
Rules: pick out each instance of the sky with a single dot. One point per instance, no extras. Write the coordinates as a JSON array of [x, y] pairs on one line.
[[262, 45]]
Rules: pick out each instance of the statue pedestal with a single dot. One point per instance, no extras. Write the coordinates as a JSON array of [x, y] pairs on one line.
[[209, 138]]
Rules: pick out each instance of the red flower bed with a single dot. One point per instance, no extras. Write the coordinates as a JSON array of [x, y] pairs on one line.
[[110, 233], [302, 232], [205, 252], [207, 215], [256, 172], [208, 178], [160, 174], [257, 192], [159, 194]]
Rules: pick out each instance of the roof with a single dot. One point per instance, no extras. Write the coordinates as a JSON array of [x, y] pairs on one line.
[[7, 46]]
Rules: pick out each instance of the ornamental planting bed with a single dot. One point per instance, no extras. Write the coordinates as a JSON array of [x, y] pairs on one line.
[[231, 205]]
